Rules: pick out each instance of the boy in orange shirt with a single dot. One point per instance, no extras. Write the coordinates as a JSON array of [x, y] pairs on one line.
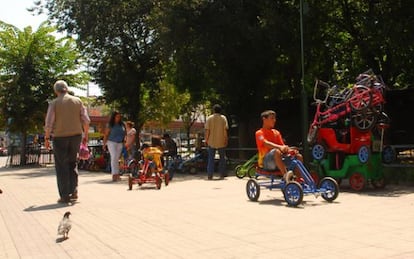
[[271, 146]]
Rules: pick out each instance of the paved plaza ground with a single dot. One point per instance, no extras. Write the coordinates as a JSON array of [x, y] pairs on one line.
[[196, 218]]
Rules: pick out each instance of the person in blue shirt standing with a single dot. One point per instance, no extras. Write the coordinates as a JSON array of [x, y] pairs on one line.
[[113, 141]]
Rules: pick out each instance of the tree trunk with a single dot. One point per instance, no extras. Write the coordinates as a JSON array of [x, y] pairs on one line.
[[243, 131]]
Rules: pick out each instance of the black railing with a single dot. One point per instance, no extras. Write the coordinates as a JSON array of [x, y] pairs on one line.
[[35, 155]]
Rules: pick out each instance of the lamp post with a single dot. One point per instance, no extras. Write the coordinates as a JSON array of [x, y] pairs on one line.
[[304, 101]]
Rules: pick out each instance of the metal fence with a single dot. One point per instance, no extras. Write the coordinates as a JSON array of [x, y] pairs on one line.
[[35, 155]]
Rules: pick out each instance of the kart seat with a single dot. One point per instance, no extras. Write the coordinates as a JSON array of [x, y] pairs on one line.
[[267, 172]]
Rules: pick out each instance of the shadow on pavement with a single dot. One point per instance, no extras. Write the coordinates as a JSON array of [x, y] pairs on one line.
[[389, 191], [124, 178], [27, 171], [315, 202], [274, 202], [308, 201], [144, 187], [47, 206], [60, 239]]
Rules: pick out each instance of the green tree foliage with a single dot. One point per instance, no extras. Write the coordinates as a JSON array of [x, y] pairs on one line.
[[244, 52], [30, 63], [237, 49], [120, 46], [352, 36], [165, 104]]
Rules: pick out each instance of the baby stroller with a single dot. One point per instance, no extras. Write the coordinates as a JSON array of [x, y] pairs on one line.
[[149, 169]]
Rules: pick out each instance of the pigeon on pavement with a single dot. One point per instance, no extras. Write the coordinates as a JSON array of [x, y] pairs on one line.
[[65, 225]]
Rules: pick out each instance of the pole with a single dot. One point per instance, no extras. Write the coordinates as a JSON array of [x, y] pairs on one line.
[[304, 101]]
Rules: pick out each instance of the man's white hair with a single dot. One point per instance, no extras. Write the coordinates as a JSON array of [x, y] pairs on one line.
[[60, 86]]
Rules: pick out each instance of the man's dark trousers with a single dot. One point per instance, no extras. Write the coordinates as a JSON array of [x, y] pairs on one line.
[[65, 151]]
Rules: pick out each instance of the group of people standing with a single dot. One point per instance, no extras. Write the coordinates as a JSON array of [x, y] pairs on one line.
[[68, 120]]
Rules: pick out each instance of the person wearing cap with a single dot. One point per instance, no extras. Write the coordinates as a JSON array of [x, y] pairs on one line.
[[216, 140], [67, 120]]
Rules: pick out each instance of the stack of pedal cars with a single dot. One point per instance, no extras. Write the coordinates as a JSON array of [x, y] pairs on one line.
[[344, 133]]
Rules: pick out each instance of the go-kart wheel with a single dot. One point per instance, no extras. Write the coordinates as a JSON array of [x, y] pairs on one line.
[[313, 130], [293, 193], [357, 181], [158, 182], [364, 120], [331, 189], [388, 155], [166, 178], [251, 172], [129, 182], [361, 98], [318, 152], [378, 183], [253, 190], [338, 181], [239, 172], [363, 154], [133, 168]]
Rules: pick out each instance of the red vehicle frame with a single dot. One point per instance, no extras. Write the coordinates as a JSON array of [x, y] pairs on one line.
[[362, 104], [348, 140], [143, 173]]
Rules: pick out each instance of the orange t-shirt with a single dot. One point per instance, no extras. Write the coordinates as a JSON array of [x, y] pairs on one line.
[[270, 135]]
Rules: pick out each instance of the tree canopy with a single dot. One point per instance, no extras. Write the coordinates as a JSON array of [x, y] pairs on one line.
[[116, 38], [30, 63], [237, 52]]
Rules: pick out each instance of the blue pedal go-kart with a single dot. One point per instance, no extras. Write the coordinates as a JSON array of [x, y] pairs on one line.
[[293, 189]]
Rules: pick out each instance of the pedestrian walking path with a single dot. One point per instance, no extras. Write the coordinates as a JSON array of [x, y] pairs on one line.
[[196, 218]]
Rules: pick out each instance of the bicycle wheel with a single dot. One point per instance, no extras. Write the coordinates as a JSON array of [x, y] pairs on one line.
[[251, 172], [365, 120], [361, 98], [239, 172]]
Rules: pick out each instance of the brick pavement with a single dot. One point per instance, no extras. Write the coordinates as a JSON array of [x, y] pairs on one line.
[[195, 218]]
